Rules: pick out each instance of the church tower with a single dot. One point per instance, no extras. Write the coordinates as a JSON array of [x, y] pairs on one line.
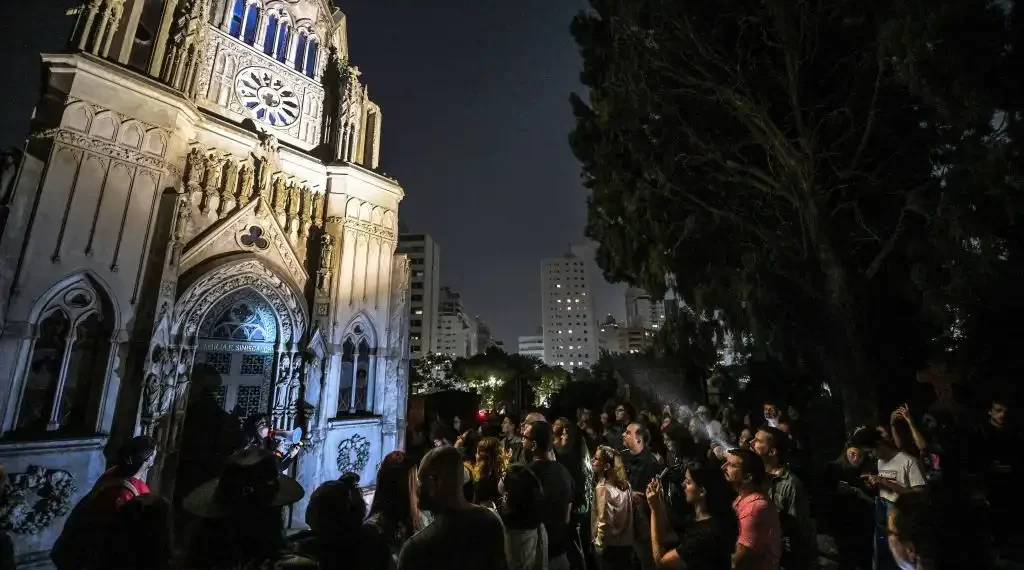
[[197, 231]]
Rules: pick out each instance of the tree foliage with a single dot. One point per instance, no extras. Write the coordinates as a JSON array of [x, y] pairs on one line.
[[829, 176], [435, 373]]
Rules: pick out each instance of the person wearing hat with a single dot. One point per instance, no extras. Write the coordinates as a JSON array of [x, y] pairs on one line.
[[118, 485], [241, 524]]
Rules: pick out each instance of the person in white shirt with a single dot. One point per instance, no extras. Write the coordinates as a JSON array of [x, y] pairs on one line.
[[714, 428], [612, 516], [898, 474]]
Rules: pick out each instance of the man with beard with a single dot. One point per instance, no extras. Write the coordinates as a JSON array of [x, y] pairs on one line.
[[463, 536], [759, 544], [786, 491]]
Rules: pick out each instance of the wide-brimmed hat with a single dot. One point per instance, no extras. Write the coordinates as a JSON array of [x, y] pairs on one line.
[[250, 480]]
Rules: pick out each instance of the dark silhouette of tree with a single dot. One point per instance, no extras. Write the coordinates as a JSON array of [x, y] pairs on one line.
[[830, 176]]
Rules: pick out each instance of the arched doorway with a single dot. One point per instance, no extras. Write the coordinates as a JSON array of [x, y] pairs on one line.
[[235, 300], [236, 341], [230, 383]]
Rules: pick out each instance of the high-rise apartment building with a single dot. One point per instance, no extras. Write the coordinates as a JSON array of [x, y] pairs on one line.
[[456, 331], [642, 311], [567, 311], [425, 285]]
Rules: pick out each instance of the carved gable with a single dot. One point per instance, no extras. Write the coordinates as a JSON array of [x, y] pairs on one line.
[[246, 230]]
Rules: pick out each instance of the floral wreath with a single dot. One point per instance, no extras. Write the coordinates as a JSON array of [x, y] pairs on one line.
[[34, 499], [353, 454]]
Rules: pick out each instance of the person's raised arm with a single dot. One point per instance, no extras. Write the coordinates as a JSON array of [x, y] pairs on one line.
[[661, 530]]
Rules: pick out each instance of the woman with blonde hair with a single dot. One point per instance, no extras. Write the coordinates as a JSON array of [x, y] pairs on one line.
[[487, 470], [612, 516]]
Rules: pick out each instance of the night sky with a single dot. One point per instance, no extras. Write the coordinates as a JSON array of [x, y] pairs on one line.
[[474, 97]]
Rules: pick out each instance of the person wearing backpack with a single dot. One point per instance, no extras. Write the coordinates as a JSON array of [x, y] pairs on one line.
[[89, 521]]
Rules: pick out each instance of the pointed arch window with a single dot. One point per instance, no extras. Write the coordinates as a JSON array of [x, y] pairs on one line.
[[312, 53], [283, 36], [252, 20], [358, 360], [66, 373], [300, 49], [237, 17], [270, 35]]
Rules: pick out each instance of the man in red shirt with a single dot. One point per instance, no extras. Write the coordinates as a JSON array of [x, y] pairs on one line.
[[125, 480], [759, 544], [76, 547]]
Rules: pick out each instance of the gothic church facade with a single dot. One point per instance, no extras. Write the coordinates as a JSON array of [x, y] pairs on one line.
[[197, 226]]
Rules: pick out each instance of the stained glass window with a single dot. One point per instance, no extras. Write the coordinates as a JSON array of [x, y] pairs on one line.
[[242, 317], [270, 35]]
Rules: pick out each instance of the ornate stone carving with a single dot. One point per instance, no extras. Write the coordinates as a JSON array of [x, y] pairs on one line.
[[182, 218], [211, 189], [230, 186], [326, 255], [108, 149], [210, 288], [159, 365], [353, 454], [247, 177], [318, 210], [294, 201], [185, 45], [307, 213], [195, 169], [280, 194], [33, 500], [363, 226]]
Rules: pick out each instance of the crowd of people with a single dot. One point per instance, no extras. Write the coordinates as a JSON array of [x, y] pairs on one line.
[[614, 490]]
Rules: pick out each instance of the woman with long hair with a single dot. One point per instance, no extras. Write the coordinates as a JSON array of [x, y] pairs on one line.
[[487, 471], [522, 509], [394, 513], [709, 539], [612, 516]]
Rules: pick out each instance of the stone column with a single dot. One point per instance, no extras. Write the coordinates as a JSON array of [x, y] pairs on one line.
[[162, 35], [86, 30], [131, 26]]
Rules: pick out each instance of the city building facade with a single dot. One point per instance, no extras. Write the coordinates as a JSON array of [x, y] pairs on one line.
[[456, 330], [567, 311], [642, 311], [608, 337], [197, 222], [424, 287], [532, 346]]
